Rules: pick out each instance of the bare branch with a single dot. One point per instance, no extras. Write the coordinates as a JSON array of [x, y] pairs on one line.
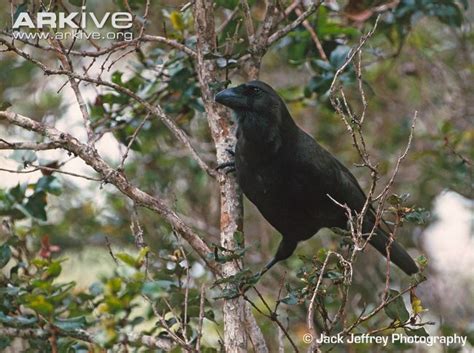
[[314, 347], [272, 316], [201, 318], [33, 146], [288, 28], [67, 64], [165, 325], [265, 29], [399, 160], [132, 140], [48, 169], [248, 22], [313, 35], [171, 42], [255, 334], [353, 52]]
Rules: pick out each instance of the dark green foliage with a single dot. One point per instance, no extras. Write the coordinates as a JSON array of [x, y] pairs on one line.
[[15, 203], [112, 305], [396, 308]]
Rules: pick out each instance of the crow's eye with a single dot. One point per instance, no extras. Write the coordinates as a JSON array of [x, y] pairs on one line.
[[256, 90]]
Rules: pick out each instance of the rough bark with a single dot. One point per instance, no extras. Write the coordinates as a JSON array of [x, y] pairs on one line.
[[235, 339]]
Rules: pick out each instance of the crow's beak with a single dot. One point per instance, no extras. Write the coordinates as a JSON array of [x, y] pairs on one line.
[[230, 98]]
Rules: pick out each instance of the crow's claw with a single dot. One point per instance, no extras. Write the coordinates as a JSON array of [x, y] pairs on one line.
[[229, 165]]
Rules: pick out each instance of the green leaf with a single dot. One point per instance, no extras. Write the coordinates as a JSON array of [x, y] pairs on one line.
[[239, 238], [338, 56], [40, 304], [177, 22], [394, 200], [334, 275], [10, 290], [54, 269], [125, 135], [290, 299], [23, 7], [24, 156], [416, 332], [210, 56], [322, 254], [5, 342], [114, 284], [209, 314], [326, 66], [418, 216], [5, 105], [422, 261], [49, 184], [70, 324], [117, 77], [126, 258], [5, 255], [142, 255], [96, 289], [154, 287], [17, 320], [18, 192], [42, 284], [396, 309], [40, 263], [36, 206], [228, 293]]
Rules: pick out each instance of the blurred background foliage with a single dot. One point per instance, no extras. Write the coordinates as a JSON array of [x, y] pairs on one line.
[[420, 59]]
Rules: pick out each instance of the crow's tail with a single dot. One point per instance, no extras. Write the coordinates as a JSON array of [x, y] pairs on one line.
[[398, 255]]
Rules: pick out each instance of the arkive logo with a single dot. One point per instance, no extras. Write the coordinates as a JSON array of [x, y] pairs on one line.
[[118, 20]]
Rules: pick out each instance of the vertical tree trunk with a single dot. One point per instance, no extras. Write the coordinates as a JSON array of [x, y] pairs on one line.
[[235, 338]]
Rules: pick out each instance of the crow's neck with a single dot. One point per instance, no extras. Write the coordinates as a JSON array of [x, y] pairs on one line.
[[265, 136]]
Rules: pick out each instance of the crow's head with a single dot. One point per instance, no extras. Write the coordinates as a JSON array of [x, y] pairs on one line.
[[254, 97]]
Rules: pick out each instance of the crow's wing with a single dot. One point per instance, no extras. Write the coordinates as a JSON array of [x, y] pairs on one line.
[[333, 177], [324, 175]]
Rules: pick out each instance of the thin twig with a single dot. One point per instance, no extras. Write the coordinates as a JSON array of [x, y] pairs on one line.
[[201, 318], [313, 35], [132, 140], [288, 28]]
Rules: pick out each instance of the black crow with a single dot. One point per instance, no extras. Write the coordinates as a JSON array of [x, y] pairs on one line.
[[288, 175]]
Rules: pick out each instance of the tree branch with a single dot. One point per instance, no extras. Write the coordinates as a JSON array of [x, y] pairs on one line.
[[91, 157], [33, 146], [156, 110]]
